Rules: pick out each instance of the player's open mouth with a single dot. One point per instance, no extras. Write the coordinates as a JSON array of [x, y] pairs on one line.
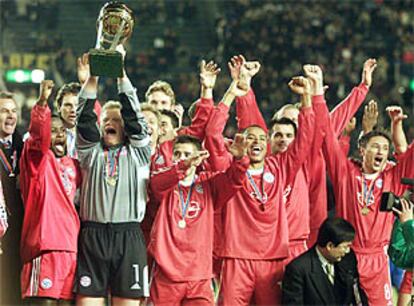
[[378, 161], [60, 147], [256, 150], [110, 131]]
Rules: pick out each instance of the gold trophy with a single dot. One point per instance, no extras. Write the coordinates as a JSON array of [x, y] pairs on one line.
[[114, 27]]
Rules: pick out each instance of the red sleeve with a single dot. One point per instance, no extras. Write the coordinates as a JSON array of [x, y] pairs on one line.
[[248, 113], [299, 150], [40, 129], [35, 148], [336, 159], [225, 185], [319, 108], [164, 179], [201, 116], [345, 144], [220, 159], [343, 112], [404, 168]]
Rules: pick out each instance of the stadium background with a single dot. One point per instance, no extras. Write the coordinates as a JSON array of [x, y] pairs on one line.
[[171, 37]]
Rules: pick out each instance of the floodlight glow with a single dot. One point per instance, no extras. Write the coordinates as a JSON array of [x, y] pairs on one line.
[[38, 75]]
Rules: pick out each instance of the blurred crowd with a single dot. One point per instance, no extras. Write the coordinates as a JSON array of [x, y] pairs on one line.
[[338, 35]]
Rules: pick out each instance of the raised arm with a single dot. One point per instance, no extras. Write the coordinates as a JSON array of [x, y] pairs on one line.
[[344, 111], [333, 154], [204, 106], [87, 126], [399, 140], [247, 110], [345, 138], [370, 117], [300, 148], [220, 159], [40, 122]]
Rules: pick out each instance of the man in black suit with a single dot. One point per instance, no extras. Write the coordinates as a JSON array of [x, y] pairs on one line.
[[10, 149], [327, 273]]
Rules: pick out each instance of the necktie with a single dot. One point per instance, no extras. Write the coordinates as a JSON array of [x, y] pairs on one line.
[[330, 273]]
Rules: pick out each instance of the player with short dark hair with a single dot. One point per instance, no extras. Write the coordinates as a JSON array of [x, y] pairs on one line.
[[49, 179], [182, 236]]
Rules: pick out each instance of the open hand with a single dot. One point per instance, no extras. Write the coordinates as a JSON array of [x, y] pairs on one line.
[[178, 109], [235, 64], [396, 114], [196, 159], [368, 70], [406, 212], [208, 74], [370, 117], [83, 68], [239, 146]]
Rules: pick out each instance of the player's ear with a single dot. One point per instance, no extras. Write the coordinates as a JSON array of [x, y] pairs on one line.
[[330, 246]]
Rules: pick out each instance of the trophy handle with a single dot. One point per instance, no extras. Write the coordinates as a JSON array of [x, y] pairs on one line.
[[99, 36], [117, 37]]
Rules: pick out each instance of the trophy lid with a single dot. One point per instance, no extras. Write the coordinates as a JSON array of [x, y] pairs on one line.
[[111, 16]]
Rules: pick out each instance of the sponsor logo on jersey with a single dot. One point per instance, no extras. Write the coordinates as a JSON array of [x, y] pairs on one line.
[[193, 210]]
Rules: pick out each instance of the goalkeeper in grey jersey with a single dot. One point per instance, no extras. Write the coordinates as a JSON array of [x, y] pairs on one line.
[[114, 160]]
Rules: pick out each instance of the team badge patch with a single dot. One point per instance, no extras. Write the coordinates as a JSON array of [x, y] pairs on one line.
[[46, 283], [160, 160], [85, 281], [378, 183], [269, 177], [199, 188]]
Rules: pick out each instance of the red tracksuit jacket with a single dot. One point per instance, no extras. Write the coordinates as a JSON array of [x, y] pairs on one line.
[[48, 186], [185, 254]]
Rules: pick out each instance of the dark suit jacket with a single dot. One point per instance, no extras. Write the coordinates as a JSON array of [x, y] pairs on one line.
[[305, 282], [10, 265]]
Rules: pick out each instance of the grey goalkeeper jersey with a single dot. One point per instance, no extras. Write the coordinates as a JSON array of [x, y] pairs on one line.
[[124, 201]]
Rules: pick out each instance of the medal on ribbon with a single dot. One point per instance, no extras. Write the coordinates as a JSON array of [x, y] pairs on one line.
[[6, 165], [112, 165], [260, 196], [184, 204]]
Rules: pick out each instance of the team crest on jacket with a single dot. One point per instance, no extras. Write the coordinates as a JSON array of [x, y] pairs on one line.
[[378, 183], [199, 188], [269, 177], [160, 160]]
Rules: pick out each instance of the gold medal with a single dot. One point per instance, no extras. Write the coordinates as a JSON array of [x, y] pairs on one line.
[[365, 211], [182, 224], [111, 181]]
